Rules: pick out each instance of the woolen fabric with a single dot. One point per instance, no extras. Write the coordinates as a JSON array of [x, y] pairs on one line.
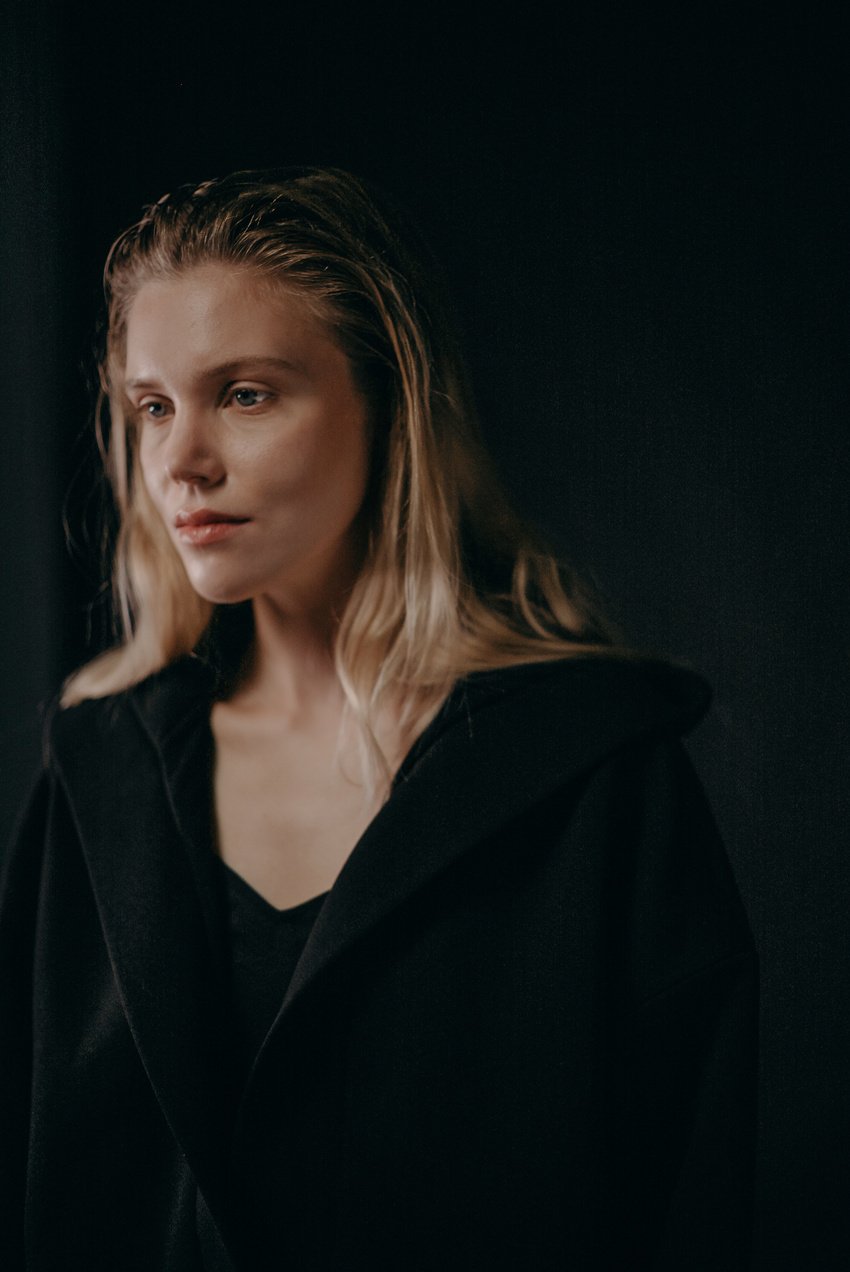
[[521, 1034]]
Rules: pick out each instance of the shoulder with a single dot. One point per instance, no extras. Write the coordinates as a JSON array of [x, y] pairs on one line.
[[636, 693], [624, 798], [581, 764], [594, 743], [564, 716], [147, 714]]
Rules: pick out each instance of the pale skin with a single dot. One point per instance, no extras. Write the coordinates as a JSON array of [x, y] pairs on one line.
[[248, 407]]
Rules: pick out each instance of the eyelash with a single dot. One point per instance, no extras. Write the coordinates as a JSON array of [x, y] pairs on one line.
[[143, 411]]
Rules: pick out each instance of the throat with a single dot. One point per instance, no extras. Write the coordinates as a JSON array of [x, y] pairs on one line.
[[289, 801]]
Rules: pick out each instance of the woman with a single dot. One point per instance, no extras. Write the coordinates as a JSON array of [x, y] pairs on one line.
[[367, 912]]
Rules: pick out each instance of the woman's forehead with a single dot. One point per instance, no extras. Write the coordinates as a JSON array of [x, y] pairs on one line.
[[213, 318]]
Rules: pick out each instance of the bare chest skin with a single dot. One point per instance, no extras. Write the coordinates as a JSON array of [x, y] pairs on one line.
[[289, 805]]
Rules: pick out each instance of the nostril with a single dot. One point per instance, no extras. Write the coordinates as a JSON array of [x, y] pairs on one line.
[[188, 475], [187, 467]]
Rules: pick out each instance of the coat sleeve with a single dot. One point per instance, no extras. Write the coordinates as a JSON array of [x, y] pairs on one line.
[[688, 1050], [693, 1079], [20, 871]]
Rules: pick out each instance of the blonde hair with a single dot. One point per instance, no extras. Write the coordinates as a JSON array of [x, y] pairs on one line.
[[453, 580]]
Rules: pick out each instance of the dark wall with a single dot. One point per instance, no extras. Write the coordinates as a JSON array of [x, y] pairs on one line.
[[644, 213]]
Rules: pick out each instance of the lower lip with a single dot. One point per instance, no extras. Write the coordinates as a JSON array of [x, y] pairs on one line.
[[209, 532]]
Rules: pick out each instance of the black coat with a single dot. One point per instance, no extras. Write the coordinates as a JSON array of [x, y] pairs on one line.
[[522, 1033]]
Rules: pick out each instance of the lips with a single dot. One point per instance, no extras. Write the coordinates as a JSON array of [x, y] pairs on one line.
[[205, 517], [205, 526]]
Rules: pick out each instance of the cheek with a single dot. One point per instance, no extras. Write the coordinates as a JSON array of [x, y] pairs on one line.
[[325, 461], [282, 464], [151, 486], [144, 461], [340, 469]]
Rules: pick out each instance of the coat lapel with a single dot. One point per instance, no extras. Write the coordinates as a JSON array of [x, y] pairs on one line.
[[157, 915]]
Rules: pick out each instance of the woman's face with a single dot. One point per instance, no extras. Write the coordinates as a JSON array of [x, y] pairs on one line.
[[253, 437]]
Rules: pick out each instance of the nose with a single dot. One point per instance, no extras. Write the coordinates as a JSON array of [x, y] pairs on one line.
[[190, 456]]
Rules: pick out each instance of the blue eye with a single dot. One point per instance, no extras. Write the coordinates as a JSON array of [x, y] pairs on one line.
[[249, 397], [152, 410]]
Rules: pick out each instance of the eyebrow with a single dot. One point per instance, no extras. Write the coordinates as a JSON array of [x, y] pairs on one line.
[[228, 368]]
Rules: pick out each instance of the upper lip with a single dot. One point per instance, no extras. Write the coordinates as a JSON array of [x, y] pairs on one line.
[[203, 517]]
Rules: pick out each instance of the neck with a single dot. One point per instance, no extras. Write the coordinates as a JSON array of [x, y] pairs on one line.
[[291, 662], [291, 670]]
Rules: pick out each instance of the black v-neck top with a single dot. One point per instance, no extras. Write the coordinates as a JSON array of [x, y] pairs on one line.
[[264, 945]]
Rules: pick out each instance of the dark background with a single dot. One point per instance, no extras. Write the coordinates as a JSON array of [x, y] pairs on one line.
[[643, 211]]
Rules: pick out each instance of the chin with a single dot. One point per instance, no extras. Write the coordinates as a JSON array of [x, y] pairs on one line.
[[222, 592]]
